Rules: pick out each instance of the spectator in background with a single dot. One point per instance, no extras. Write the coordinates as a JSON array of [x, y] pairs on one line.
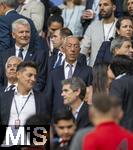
[[122, 69], [99, 31], [124, 28], [71, 15], [10, 71], [91, 12], [34, 10], [54, 22]]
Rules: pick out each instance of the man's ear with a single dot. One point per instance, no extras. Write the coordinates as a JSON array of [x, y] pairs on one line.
[[13, 35]]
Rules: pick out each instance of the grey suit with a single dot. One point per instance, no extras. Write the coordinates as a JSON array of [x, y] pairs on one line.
[[35, 11], [93, 38]]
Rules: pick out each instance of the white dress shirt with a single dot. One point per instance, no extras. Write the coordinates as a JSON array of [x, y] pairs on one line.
[[66, 68], [24, 52], [28, 110]]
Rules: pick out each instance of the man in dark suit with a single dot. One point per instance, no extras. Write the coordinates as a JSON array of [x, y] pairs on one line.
[[10, 71], [57, 39], [73, 92], [7, 16], [71, 67], [21, 33], [122, 85], [16, 106]]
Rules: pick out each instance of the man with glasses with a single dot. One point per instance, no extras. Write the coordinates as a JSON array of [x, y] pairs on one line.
[[70, 68]]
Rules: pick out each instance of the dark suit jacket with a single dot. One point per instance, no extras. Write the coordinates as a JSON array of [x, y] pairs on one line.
[[38, 56], [104, 55], [83, 117], [6, 40], [6, 101], [53, 88], [123, 89], [52, 59]]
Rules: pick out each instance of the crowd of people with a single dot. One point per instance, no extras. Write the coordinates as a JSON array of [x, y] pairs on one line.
[[69, 68]]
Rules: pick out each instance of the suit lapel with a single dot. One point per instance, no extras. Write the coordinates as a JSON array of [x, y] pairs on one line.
[[62, 73], [37, 103], [80, 115], [7, 102], [29, 54], [77, 69]]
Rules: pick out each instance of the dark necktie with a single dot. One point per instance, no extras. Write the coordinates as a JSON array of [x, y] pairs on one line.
[[58, 63], [10, 88], [70, 71], [20, 54]]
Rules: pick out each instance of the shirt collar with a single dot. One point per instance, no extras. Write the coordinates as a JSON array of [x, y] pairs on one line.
[[9, 11], [74, 64], [119, 76], [25, 48], [11, 84], [78, 109], [26, 1], [17, 93]]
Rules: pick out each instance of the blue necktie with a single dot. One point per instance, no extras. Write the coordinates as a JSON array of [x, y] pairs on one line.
[[58, 63]]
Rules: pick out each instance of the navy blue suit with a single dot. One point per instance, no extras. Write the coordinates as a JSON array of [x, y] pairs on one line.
[[104, 54], [52, 59], [38, 56], [6, 40], [6, 101], [54, 88]]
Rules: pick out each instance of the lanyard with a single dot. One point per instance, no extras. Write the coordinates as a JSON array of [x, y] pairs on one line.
[[68, 21], [108, 33], [18, 112]]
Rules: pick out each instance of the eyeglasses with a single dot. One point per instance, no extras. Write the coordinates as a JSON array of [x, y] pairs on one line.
[[76, 46]]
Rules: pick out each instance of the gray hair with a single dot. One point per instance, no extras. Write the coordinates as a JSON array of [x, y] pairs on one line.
[[117, 43], [76, 83], [19, 21], [71, 36], [11, 58], [8, 2]]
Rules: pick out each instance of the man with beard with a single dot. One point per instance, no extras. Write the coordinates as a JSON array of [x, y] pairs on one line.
[[99, 31], [130, 7]]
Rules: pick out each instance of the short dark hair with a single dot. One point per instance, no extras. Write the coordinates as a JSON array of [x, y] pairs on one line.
[[76, 83], [118, 23], [121, 64], [55, 18], [24, 64], [104, 103], [113, 2], [76, 2], [63, 114], [64, 32]]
